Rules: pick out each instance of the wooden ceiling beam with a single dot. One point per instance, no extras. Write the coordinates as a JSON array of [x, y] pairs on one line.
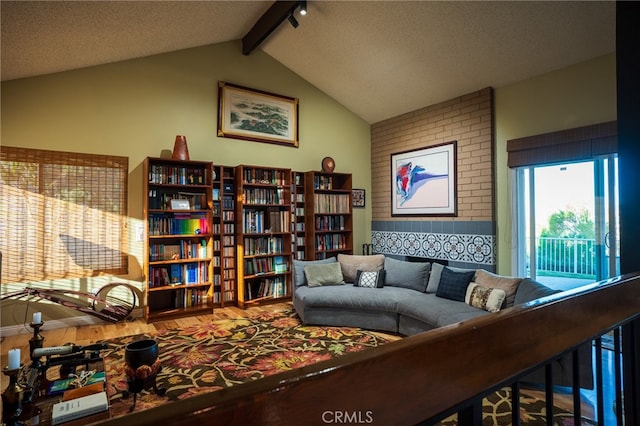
[[268, 22]]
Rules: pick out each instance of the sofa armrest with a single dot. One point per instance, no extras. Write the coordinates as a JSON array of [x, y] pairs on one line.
[[529, 290]]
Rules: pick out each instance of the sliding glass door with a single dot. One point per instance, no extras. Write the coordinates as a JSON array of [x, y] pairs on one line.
[[567, 222]]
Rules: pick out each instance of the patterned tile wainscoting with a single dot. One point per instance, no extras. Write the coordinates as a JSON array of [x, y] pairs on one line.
[[466, 244]]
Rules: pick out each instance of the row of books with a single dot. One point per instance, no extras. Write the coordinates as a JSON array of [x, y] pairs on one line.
[[260, 221], [187, 273], [322, 182], [228, 202], [264, 196], [268, 287], [188, 297], [332, 203], [331, 242], [263, 245], [178, 224], [228, 296], [265, 265], [184, 249], [264, 176], [177, 175], [330, 223]]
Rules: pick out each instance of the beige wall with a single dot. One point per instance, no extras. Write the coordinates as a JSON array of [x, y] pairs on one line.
[[572, 97], [135, 108]]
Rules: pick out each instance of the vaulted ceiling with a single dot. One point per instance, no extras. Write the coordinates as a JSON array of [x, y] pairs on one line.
[[377, 58]]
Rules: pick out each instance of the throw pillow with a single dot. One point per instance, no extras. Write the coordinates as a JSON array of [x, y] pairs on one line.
[[323, 274], [453, 285], [489, 299], [508, 284], [434, 276], [370, 279], [411, 275], [298, 269], [351, 263]]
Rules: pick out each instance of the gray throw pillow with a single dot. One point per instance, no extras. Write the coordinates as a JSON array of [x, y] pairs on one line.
[[323, 274], [411, 275], [298, 269]]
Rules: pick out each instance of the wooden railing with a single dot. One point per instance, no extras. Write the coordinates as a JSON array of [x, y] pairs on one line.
[[422, 377]]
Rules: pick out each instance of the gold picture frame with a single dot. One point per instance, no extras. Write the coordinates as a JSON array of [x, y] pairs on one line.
[[256, 115]]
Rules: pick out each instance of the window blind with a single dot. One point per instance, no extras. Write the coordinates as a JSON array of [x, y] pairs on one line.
[[63, 214], [578, 144]]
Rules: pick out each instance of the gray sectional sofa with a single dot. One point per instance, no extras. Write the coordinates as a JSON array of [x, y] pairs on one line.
[[409, 298]]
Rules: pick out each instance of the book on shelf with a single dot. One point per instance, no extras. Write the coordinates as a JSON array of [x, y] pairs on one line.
[[77, 408]]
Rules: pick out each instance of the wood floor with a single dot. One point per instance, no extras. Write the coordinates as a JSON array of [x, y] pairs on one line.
[[86, 335]]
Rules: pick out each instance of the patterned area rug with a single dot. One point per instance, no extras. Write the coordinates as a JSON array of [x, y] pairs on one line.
[[208, 357], [224, 353], [496, 410]]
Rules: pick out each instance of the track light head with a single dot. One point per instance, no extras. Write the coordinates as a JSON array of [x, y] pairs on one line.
[[294, 22], [303, 7]]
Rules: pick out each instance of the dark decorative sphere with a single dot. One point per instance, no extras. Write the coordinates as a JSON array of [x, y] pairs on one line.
[[141, 352]]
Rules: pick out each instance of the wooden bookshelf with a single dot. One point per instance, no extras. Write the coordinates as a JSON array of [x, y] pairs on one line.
[[229, 295], [263, 234], [329, 219], [178, 258], [298, 242]]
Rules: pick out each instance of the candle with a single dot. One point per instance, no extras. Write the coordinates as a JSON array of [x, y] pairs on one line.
[[37, 317], [14, 359]]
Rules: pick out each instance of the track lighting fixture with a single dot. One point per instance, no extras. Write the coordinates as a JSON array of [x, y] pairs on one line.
[[293, 21], [269, 21]]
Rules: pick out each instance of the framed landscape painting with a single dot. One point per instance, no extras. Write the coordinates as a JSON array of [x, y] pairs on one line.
[[255, 115], [424, 181]]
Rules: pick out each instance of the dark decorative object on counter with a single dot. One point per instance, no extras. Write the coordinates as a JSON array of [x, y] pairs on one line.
[[142, 367]]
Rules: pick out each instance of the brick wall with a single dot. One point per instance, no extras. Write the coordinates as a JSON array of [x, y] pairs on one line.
[[467, 119]]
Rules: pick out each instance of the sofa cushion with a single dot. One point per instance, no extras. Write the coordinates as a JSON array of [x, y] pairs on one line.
[[436, 271], [453, 285], [411, 275], [434, 311], [298, 269], [508, 284], [370, 279], [489, 299], [349, 297], [529, 290], [351, 263], [323, 274]]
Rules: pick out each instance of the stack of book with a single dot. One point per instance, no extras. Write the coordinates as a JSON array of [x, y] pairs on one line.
[[81, 396]]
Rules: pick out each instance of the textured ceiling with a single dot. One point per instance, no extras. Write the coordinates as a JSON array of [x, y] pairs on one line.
[[379, 59]]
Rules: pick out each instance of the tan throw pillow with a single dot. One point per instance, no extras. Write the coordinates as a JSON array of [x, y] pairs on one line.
[[489, 299], [508, 284], [352, 263], [323, 274]]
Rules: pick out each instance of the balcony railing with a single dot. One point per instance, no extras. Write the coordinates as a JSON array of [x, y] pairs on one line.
[[433, 374], [573, 256]]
